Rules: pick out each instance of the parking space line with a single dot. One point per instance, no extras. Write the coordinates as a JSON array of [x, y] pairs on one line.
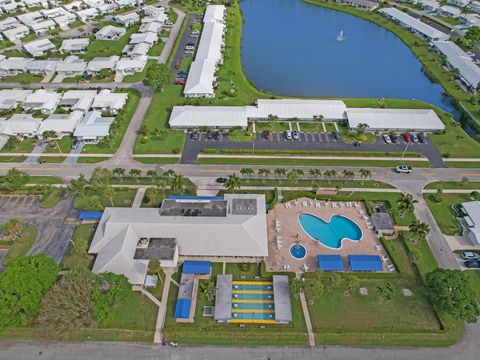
[[31, 200], [306, 137], [21, 203], [327, 137]]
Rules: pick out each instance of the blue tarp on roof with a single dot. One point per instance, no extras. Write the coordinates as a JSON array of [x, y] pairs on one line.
[[365, 263], [330, 262], [190, 197], [84, 215], [196, 267], [182, 308]]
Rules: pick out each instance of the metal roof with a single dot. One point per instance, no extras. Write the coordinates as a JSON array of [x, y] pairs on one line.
[[210, 116], [196, 267], [281, 298], [365, 263], [299, 108], [330, 262], [223, 298], [182, 308]]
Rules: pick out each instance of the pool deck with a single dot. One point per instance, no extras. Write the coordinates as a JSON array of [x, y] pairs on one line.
[[291, 232]]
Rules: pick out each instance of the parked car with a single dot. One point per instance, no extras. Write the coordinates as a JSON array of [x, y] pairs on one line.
[[469, 255], [472, 264], [194, 135], [181, 76], [95, 30], [266, 134], [357, 144], [216, 135], [209, 135], [75, 144], [414, 137], [177, 65], [288, 135], [179, 81], [221, 180], [295, 135], [407, 137], [394, 138], [403, 169], [182, 73], [421, 138], [188, 52], [336, 135], [189, 47], [387, 139]]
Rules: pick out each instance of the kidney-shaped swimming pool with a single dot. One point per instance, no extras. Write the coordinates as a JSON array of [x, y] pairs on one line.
[[332, 233]]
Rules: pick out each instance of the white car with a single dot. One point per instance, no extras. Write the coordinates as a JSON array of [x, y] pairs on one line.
[[288, 135], [469, 255], [403, 169], [387, 139]]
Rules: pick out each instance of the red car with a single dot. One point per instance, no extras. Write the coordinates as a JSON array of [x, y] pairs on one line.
[[407, 137], [180, 82], [266, 134], [177, 65]]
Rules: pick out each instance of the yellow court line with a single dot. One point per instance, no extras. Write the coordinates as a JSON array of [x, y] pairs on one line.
[[251, 292], [252, 311], [253, 301], [252, 283], [237, 321]]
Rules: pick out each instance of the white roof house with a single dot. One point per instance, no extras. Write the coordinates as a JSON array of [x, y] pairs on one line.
[[93, 127], [159, 18], [395, 119], [298, 108], [74, 6], [99, 63], [460, 3], [470, 19], [128, 66], [8, 23], [110, 32], [42, 100], [214, 13], [127, 19], [449, 11], [86, 14], [72, 66], [458, 59], [42, 66], [39, 47], [74, 45], [201, 78], [224, 117], [147, 38], [136, 50], [80, 100], [429, 5], [106, 100], [211, 42], [152, 27], [474, 6], [61, 124], [16, 33], [63, 20], [54, 12], [30, 17], [11, 98], [149, 10], [472, 221], [107, 8], [415, 25], [14, 65], [20, 125], [41, 27], [232, 227]]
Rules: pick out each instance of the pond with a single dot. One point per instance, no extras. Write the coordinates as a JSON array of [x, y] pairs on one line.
[[292, 48]]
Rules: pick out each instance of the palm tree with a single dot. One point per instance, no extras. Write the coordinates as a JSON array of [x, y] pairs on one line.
[[315, 172], [177, 183], [135, 172], [419, 230], [264, 172], [247, 172], [96, 202], [406, 203], [109, 192], [152, 174], [233, 182], [207, 290], [330, 174], [365, 173], [280, 172], [169, 173], [318, 119], [348, 174], [293, 177], [78, 187], [314, 188], [12, 229], [118, 172], [414, 255]]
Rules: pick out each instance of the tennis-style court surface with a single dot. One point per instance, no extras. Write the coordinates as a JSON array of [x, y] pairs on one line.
[[252, 302]]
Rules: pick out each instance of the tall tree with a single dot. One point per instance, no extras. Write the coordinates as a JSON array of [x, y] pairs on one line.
[[406, 203], [297, 287], [177, 184], [451, 291], [246, 172], [207, 290], [14, 179], [158, 75], [233, 182], [419, 230], [78, 187], [12, 229]]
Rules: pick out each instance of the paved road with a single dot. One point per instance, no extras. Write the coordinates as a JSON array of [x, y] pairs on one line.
[[308, 141], [466, 349], [167, 49]]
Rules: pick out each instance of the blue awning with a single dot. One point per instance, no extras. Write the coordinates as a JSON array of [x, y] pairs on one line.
[[182, 308], [196, 267], [330, 262], [84, 215], [191, 197], [365, 263]]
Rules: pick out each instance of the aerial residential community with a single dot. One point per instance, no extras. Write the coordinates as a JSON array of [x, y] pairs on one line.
[[274, 179]]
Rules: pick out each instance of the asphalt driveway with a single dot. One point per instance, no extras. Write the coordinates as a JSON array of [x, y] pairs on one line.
[[307, 141]]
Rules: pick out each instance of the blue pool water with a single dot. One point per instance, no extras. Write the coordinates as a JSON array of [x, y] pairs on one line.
[[298, 251], [330, 234], [289, 48]]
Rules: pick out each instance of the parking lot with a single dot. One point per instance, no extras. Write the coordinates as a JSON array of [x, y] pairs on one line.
[[18, 201], [307, 141], [186, 39]]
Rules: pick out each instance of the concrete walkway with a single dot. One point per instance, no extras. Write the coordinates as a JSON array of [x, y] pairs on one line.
[[313, 157], [163, 307], [150, 296], [450, 191], [36, 152], [137, 202], [308, 322]]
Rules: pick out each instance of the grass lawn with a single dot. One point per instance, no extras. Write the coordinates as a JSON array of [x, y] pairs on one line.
[[29, 37], [186, 62], [102, 48], [62, 146], [390, 199], [138, 313], [449, 20], [455, 142], [320, 182], [443, 213], [100, 79], [311, 127], [91, 159], [474, 279], [72, 80], [14, 53], [248, 161], [350, 137], [5, 44], [463, 164], [24, 146], [279, 126], [241, 135], [75, 24], [71, 259], [24, 78], [21, 246], [12, 159], [470, 185], [51, 159], [51, 200], [42, 179], [153, 197], [138, 76], [156, 49], [123, 119], [122, 198], [158, 160]]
